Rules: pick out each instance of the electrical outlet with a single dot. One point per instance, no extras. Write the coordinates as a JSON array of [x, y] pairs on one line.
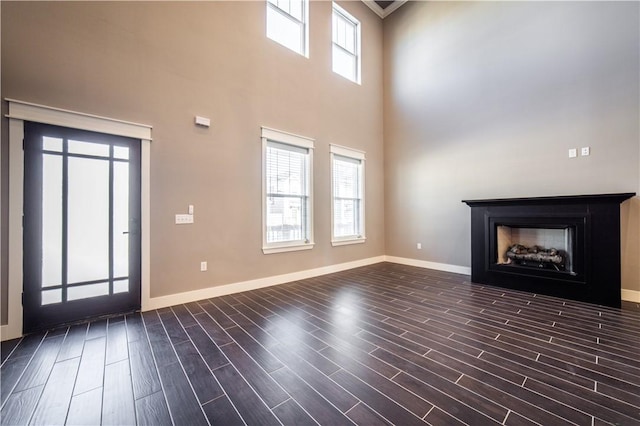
[[573, 153], [419, 246], [203, 266], [184, 219], [585, 151]]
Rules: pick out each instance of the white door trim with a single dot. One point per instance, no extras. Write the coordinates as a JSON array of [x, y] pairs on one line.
[[19, 112]]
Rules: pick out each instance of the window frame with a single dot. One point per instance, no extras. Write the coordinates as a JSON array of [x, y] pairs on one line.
[[360, 156], [304, 42], [300, 142], [343, 14]]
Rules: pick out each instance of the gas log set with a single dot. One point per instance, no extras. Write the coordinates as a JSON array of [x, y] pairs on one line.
[[537, 257]]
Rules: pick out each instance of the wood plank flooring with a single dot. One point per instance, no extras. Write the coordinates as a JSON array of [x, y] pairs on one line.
[[382, 344]]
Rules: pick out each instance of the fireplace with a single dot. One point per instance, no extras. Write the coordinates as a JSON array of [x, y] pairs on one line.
[[566, 246]]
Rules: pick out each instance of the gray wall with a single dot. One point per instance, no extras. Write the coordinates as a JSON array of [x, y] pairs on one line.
[[162, 63], [484, 99]]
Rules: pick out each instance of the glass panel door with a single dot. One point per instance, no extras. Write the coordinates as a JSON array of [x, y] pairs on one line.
[[82, 208]]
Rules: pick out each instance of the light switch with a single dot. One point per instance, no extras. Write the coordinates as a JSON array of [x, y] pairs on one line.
[[573, 153]]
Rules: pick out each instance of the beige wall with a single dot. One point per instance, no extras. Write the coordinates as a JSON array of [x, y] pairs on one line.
[[162, 64], [484, 99]]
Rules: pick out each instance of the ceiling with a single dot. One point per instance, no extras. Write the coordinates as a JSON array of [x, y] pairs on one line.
[[384, 4], [384, 8]]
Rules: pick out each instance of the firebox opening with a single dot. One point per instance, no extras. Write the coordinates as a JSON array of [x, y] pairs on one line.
[[537, 247]]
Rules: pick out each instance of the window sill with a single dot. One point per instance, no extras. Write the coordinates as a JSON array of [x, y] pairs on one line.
[[345, 242], [286, 248]]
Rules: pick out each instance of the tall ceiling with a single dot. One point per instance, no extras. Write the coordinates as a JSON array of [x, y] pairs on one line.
[[384, 8], [384, 4]]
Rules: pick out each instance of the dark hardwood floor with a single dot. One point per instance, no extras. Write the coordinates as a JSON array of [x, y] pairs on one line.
[[383, 344]]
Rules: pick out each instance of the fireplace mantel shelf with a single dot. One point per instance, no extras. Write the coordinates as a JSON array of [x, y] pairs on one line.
[[560, 199]]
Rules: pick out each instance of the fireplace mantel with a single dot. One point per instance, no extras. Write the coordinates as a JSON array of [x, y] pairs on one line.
[[594, 224], [553, 200]]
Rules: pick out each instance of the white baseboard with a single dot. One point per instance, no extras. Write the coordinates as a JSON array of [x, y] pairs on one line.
[[10, 331], [7, 332], [456, 269], [630, 295], [206, 293]]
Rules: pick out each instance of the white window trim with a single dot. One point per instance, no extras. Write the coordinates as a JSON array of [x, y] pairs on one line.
[[350, 17], [268, 134], [304, 23], [19, 112], [356, 155]]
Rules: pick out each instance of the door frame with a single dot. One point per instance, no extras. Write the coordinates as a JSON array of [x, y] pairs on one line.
[[19, 112]]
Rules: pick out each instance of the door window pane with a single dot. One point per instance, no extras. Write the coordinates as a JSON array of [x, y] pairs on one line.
[[121, 152], [88, 148], [51, 220], [88, 220], [120, 219], [51, 296], [52, 144], [121, 286], [86, 291]]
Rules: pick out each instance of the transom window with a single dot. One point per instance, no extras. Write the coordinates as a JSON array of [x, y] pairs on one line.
[[347, 195], [287, 198], [287, 24], [346, 44]]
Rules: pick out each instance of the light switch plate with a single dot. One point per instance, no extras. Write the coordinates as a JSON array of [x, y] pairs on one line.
[[573, 153], [184, 219]]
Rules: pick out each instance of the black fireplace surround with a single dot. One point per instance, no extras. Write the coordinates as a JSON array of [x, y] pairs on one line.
[[591, 226]]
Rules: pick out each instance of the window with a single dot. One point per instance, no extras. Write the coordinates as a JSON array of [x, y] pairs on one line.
[[346, 44], [287, 198], [347, 196], [287, 24]]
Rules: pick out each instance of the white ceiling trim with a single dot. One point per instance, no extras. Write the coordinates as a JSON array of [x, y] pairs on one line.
[[383, 13]]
